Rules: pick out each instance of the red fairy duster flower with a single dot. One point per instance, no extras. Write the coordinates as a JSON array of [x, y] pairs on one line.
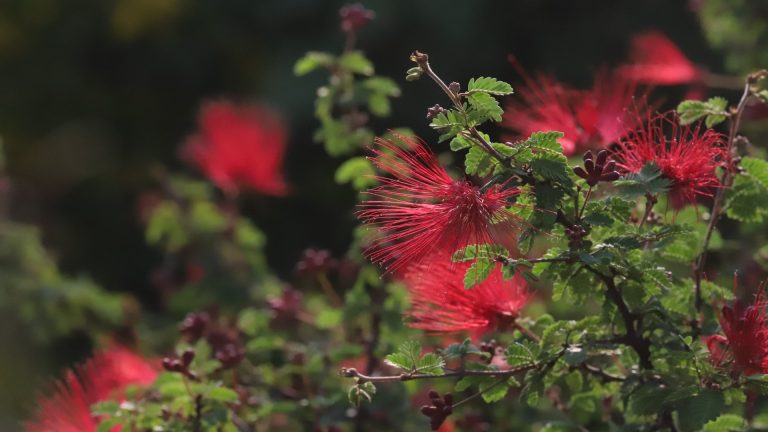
[[605, 112], [421, 209], [745, 344], [686, 155], [590, 119], [104, 376], [654, 59], [543, 104], [440, 303], [239, 146]]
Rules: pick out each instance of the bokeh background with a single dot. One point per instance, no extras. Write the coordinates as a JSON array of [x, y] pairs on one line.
[[97, 95]]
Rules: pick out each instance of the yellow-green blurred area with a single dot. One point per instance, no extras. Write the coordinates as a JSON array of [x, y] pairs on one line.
[[97, 95]]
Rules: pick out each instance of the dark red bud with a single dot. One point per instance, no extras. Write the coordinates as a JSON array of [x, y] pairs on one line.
[[580, 172], [187, 356], [589, 165], [588, 156], [167, 364], [602, 155]]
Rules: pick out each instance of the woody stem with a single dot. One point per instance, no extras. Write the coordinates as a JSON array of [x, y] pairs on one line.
[[526, 331], [650, 201], [422, 60], [725, 182], [362, 378]]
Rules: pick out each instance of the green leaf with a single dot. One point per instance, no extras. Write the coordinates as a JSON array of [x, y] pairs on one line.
[[382, 85], [492, 391], [693, 413], [106, 408], [725, 423], [205, 217], [485, 107], [460, 142], [463, 349], [359, 171], [747, 199], [311, 61], [222, 394], [648, 180], [574, 380], [378, 105], [329, 318], [408, 358], [714, 110], [552, 167], [522, 353], [251, 321], [448, 123], [648, 399], [478, 162], [360, 393], [355, 61], [478, 272], [108, 424], [479, 251], [489, 85]]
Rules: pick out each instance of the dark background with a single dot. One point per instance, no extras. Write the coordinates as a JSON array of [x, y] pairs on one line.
[[96, 94]]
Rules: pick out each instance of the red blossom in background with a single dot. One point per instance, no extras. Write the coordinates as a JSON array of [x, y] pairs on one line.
[[440, 303], [686, 155], [656, 60], [745, 344], [354, 17], [239, 146], [590, 119], [104, 376], [421, 209]]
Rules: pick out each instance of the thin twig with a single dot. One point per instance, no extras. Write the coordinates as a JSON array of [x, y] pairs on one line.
[[423, 61], [362, 378], [725, 182], [525, 331], [650, 201], [584, 206]]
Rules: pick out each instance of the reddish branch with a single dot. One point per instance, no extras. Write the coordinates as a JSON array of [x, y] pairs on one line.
[[726, 181]]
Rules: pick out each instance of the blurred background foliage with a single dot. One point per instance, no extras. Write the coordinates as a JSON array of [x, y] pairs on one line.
[[97, 95]]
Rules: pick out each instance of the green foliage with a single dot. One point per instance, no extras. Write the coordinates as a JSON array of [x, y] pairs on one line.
[[409, 358], [611, 338], [484, 107], [340, 102], [461, 350], [489, 85], [448, 123], [714, 111], [358, 171], [484, 258], [725, 423], [479, 251], [478, 272], [311, 61], [747, 199], [648, 181], [36, 297], [522, 353], [360, 393]]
